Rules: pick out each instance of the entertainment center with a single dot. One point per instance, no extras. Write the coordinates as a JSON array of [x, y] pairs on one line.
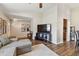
[[43, 32]]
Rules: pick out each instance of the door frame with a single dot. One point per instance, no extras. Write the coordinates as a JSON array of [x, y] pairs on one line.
[[64, 40]]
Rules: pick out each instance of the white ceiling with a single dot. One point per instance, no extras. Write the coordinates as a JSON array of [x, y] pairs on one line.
[[31, 7], [15, 8], [25, 7], [72, 5]]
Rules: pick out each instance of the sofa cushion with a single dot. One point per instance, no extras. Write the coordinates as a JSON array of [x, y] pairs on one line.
[[10, 51], [4, 40], [23, 45]]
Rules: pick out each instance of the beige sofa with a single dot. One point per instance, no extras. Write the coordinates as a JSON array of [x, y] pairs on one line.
[[9, 49]]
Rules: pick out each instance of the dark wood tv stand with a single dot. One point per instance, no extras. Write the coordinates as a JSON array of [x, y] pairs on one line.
[[42, 34]]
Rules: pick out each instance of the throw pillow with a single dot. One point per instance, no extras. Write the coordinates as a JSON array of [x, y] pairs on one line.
[[4, 40]]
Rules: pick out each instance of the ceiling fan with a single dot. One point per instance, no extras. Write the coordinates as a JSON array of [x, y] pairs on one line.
[[40, 5]]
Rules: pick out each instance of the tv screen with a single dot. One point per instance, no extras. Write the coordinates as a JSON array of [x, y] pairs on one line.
[[44, 28]]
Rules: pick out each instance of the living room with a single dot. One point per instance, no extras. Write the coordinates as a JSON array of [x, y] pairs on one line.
[[20, 21]]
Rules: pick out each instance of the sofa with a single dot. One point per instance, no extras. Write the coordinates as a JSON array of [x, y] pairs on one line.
[[8, 48]]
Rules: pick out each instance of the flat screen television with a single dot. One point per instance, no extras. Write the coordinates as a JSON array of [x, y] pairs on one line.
[[44, 28]]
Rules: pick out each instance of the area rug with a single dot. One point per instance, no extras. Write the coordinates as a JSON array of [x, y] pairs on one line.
[[40, 50]]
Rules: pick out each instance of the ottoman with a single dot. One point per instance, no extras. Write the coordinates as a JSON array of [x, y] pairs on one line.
[[23, 46]]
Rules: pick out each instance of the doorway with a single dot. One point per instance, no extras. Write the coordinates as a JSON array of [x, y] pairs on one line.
[[64, 30]]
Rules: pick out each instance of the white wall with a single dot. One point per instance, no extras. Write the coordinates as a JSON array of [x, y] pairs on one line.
[[50, 17], [55, 16], [75, 18], [63, 13]]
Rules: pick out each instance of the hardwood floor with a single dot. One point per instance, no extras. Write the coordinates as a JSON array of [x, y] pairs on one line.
[[63, 49]]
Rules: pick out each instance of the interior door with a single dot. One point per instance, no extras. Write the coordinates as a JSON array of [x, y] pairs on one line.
[[64, 30]]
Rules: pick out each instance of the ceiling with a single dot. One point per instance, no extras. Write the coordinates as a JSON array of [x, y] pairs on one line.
[[72, 5], [31, 7], [18, 8], [25, 7]]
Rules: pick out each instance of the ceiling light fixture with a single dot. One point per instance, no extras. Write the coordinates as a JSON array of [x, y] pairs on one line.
[[40, 5]]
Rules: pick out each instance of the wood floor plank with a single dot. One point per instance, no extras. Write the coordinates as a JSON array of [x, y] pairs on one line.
[[63, 49]]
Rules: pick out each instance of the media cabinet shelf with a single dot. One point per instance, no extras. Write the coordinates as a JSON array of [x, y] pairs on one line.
[[43, 32]]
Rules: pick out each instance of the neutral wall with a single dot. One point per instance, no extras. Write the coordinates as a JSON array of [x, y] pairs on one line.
[[63, 13], [3, 16], [75, 18], [16, 28], [35, 19], [55, 16], [50, 17]]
